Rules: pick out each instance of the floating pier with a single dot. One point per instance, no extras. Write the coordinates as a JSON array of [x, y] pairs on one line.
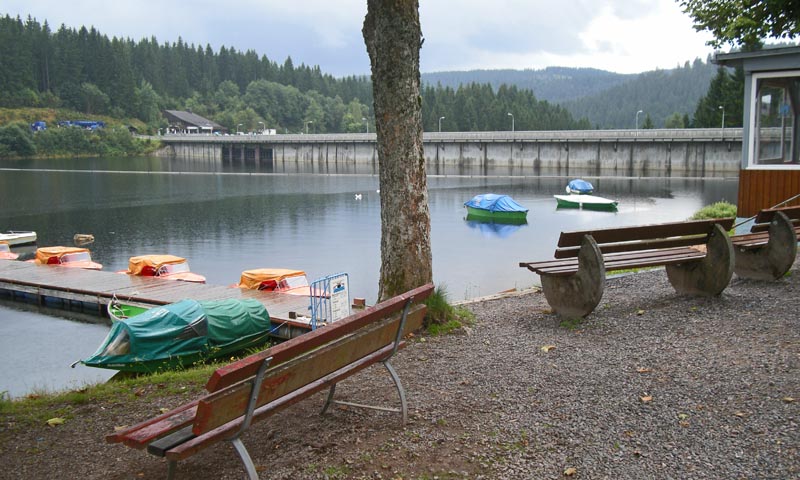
[[90, 292]]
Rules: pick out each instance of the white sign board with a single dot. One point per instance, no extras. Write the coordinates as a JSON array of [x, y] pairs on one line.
[[340, 298]]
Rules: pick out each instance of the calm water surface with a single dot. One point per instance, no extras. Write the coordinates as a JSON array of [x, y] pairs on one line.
[[229, 218]]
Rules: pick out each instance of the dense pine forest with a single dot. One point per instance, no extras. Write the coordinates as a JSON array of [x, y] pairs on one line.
[[83, 70]]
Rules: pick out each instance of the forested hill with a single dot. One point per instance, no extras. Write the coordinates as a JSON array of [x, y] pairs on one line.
[[554, 84], [84, 70], [605, 99], [659, 94]]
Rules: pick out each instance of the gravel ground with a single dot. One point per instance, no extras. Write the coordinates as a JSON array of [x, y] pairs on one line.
[[651, 385]]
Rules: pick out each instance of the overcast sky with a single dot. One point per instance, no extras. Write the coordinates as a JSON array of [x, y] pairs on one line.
[[625, 36]]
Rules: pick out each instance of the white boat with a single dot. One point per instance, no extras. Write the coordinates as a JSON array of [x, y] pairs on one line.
[[13, 237], [589, 202]]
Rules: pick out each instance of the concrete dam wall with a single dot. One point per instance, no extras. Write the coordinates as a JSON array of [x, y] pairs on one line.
[[623, 153]]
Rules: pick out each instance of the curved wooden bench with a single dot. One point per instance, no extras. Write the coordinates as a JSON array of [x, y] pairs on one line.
[[252, 389], [770, 249], [698, 257]]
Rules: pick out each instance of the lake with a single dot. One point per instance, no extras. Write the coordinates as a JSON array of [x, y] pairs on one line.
[[228, 218]]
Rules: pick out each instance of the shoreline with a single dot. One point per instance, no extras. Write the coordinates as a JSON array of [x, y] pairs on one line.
[[651, 385]]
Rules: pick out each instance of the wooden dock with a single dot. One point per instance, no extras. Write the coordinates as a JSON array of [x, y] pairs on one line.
[[90, 291]]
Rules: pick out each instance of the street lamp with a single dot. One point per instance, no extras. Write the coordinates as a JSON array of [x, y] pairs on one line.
[[264, 127], [723, 118], [637, 121], [307, 122], [366, 123], [512, 120], [440, 124], [237, 127]]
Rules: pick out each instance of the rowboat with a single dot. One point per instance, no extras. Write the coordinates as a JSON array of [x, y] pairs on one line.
[[586, 202], [72, 257], [167, 267], [280, 280], [5, 252], [182, 334], [490, 206], [118, 310], [13, 237]]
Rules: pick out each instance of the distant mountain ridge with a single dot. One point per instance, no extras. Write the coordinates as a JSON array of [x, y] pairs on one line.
[[553, 84], [606, 99]]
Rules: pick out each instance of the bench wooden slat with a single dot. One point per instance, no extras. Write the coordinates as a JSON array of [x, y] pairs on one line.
[[644, 232], [201, 442], [619, 261], [763, 227], [655, 262], [766, 215], [140, 434], [685, 241], [534, 266], [159, 447], [225, 405], [247, 367]]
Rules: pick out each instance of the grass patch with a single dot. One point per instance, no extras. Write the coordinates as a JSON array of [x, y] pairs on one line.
[[37, 407], [441, 317], [571, 323]]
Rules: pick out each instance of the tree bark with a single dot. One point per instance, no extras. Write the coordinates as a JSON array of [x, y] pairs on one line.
[[393, 38]]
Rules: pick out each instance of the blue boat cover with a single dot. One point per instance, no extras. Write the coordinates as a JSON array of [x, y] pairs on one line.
[[579, 186], [495, 203]]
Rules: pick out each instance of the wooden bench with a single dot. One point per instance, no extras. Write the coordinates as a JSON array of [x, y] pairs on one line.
[[698, 257], [769, 250], [255, 387]]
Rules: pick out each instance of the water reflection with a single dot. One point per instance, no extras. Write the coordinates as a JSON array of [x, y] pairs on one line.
[[497, 228]]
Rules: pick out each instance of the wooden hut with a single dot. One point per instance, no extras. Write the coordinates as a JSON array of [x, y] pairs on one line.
[[770, 169]]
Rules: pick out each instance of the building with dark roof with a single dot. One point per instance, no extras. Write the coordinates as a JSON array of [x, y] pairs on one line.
[[188, 122]]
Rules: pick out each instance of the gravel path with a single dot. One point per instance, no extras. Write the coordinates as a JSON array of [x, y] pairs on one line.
[[652, 385]]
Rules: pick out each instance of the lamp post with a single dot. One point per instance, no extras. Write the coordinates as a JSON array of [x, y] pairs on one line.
[[237, 128], [512, 120], [366, 123], [637, 121], [307, 122], [264, 127], [723, 119], [440, 124]]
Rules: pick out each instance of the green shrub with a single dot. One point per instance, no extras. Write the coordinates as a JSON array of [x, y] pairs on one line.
[[16, 139], [715, 210]]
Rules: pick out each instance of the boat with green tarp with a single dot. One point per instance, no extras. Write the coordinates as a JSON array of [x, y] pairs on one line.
[[181, 334]]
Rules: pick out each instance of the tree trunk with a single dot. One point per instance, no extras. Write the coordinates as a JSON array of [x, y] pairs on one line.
[[393, 38]]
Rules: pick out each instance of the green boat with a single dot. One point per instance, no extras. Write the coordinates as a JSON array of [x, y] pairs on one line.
[[497, 208], [118, 310], [586, 202], [182, 334]]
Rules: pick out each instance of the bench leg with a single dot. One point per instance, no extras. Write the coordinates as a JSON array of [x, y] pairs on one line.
[[171, 467], [246, 460], [774, 259], [400, 390], [576, 295], [710, 275]]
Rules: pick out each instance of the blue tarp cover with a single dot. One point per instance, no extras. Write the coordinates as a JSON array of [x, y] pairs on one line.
[[495, 203], [580, 186]]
